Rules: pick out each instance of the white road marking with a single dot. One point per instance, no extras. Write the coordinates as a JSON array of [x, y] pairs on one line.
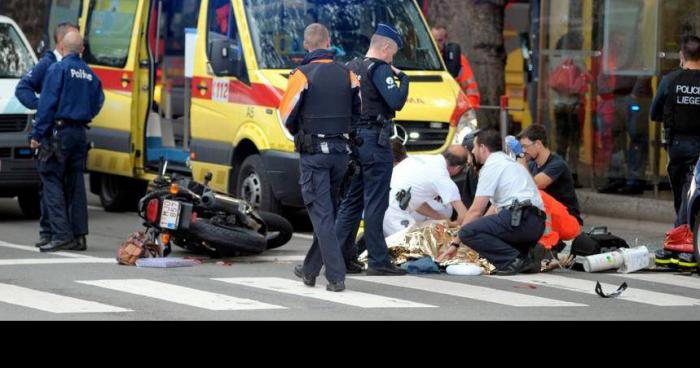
[[347, 297], [36, 250], [52, 261], [632, 294], [280, 259], [52, 303], [468, 291], [96, 208], [181, 295], [690, 282], [303, 236]]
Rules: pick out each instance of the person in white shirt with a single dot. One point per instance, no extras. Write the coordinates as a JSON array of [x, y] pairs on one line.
[[516, 219], [425, 184]]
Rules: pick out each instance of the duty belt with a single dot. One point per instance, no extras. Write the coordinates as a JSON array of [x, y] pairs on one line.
[[74, 123]]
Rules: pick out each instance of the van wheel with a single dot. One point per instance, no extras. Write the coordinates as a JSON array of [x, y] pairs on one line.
[[29, 203], [114, 193], [254, 186]]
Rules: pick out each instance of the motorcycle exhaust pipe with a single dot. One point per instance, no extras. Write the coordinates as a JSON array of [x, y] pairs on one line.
[[217, 202]]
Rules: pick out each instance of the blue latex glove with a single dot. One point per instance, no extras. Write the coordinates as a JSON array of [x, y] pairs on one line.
[[514, 146]]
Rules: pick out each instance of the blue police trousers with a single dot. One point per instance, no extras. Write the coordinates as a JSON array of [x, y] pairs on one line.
[[321, 176], [683, 154], [368, 192], [495, 239], [62, 177]]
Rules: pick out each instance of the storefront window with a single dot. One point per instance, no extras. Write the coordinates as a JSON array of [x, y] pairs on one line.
[[600, 64]]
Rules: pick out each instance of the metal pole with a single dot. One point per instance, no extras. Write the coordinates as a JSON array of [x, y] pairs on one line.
[[186, 124], [504, 117]]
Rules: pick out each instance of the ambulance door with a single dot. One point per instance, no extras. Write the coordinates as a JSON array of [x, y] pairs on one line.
[[219, 93], [114, 41]]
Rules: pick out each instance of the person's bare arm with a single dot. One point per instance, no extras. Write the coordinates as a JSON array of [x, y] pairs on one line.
[[473, 214], [428, 211], [491, 211], [461, 210], [543, 181]]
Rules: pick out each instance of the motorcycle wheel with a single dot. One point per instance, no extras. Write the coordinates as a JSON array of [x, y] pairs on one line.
[[228, 241], [696, 239], [279, 230]]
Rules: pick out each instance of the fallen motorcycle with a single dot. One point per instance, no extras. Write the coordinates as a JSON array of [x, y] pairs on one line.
[[190, 215]]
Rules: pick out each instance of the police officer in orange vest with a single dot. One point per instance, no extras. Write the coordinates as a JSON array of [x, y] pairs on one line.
[[318, 107]]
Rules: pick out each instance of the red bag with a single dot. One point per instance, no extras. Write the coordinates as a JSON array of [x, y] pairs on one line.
[[679, 239], [567, 78]]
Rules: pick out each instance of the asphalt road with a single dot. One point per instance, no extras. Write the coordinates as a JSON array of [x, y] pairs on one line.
[[91, 286]]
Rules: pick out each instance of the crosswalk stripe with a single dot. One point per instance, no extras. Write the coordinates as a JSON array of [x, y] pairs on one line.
[[48, 261], [181, 295], [347, 297], [686, 281], [36, 250], [469, 291], [632, 294], [52, 303], [280, 259]]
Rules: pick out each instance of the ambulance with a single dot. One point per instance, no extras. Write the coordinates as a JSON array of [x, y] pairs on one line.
[[198, 83]]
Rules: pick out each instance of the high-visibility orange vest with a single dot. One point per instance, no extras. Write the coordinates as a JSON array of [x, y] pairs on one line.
[[559, 225]]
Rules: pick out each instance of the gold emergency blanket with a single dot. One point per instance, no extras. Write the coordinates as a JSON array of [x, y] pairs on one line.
[[430, 240]]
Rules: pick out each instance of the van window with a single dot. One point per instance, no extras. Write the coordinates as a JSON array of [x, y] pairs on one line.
[[221, 24], [277, 28], [63, 11], [15, 59], [109, 29]]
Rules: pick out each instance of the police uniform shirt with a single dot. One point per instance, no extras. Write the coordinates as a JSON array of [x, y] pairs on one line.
[[504, 181], [394, 93], [71, 92], [428, 179], [32, 83]]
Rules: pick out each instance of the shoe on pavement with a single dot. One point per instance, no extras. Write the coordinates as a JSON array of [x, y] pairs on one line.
[[56, 246], [389, 270], [336, 287], [516, 266], [44, 240], [354, 266], [308, 280], [611, 188], [80, 244]]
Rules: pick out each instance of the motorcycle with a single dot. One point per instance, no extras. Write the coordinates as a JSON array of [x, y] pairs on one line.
[[693, 208], [192, 216]]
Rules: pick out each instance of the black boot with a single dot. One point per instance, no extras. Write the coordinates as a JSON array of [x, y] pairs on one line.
[[56, 246], [43, 240], [80, 244], [354, 267], [389, 270], [516, 266], [308, 280], [336, 286]]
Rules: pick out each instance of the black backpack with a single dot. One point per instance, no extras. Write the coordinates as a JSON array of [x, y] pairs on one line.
[[598, 240]]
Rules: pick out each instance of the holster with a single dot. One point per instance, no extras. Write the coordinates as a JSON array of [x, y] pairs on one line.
[[305, 143], [516, 212], [404, 198], [52, 148], [386, 131]]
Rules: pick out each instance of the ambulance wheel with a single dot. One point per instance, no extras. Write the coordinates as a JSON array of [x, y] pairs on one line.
[[29, 203], [114, 195], [253, 186]]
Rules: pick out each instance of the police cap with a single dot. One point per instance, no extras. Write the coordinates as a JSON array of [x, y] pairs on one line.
[[389, 32]]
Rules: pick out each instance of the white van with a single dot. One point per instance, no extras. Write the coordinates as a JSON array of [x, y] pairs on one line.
[[18, 176]]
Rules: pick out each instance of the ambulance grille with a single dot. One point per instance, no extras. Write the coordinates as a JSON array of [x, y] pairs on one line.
[[13, 123], [425, 135]]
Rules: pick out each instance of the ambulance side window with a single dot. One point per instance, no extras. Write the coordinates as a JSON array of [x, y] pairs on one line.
[[221, 26], [109, 29]]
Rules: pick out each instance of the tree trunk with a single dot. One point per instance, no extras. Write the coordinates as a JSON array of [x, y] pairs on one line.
[[477, 25], [30, 15]]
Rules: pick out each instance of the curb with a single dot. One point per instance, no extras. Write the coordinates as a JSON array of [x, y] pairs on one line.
[[626, 207]]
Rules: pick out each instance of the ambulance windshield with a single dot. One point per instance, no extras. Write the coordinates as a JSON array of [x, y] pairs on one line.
[[277, 28], [15, 59]]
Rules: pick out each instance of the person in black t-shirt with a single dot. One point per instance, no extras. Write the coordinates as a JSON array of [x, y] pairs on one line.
[[551, 172]]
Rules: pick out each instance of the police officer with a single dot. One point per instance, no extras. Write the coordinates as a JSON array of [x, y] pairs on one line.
[[70, 98], [321, 99], [677, 105], [516, 221], [384, 91], [27, 89]]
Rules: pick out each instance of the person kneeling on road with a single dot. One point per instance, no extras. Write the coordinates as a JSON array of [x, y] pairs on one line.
[[422, 190], [516, 220]]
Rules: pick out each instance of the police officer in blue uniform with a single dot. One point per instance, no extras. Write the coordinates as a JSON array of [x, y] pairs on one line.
[[677, 105], [70, 98], [26, 92], [384, 91], [321, 100]]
